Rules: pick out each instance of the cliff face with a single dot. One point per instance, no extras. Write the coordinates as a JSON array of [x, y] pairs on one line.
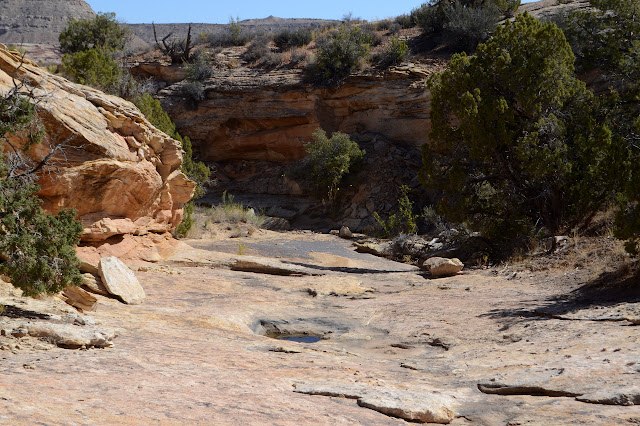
[[38, 21], [120, 173], [252, 115]]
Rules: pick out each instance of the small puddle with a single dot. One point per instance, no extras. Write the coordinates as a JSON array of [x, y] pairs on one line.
[[300, 339]]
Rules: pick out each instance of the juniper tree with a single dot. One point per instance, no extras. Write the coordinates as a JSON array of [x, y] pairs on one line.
[[37, 248], [515, 148]]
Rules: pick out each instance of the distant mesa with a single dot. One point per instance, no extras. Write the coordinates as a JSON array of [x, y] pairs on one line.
[[37, 21]]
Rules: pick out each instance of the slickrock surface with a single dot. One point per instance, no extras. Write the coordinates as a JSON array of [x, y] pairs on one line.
[[120, 173], [391, 343]]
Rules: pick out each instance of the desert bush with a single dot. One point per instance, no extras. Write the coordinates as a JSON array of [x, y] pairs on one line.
[[402, 222], [349, 19], [470, 25], [376, 39], [298, 56], [257, 50], [395, 53], [329, 160], [405, 21], [394, 29], [234, 35], [38, 248], [383, 25], [193, 92], [430, 18], [199, 69], [103, 32], [338, 54], [233, 212], [287, 39], [515, 149], [93, 67]]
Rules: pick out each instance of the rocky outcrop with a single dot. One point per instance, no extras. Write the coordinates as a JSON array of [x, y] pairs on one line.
[[120, 173], [546, 9], [252, 115]]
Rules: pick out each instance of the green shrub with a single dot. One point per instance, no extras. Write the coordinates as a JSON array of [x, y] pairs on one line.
[[405, 21], [404, 222], [199, 69], [606, 37], [470, 25], [338, 54], [103, 32], [383, 25], [38, 248], [93, 67], [193, 92], [329, 160], [430, 18], [233, 35], [152, 110], [287, 39], [257, 49], [515, 149], [298, 56], [395, 53], [232, 212]]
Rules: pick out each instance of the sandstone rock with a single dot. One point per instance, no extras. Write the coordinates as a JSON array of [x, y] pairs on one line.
[[78, 298], [345, 232], [252, 115], [417, 406], [94, 283], [442, 267], [120, 281], [71, 336], [613, 396], [120, 173]]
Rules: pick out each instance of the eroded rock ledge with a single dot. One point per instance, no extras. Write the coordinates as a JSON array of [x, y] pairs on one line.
[[120, 173]]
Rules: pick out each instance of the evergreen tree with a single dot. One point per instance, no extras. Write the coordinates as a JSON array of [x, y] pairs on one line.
[[37, 248], [515, 148]]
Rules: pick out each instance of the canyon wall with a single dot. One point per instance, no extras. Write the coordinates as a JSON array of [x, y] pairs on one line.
[[250, 114]]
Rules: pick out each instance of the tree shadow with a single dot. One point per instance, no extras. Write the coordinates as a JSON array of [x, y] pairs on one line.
[[11, 311], [608, 290]]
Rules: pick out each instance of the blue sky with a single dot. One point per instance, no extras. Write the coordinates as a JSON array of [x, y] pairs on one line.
[[201, 11]]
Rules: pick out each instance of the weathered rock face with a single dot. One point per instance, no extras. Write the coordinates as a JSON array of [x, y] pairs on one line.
[[120, 173], [252, 115], [38, 21]]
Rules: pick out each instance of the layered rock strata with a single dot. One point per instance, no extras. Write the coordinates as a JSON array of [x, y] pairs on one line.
[[248, 114], [120, 173]]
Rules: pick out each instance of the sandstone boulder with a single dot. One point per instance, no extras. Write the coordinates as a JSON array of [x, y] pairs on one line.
[[345, 232], [120, 281], [78, 298], [94, 284], [120, 173], [442, 267]]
